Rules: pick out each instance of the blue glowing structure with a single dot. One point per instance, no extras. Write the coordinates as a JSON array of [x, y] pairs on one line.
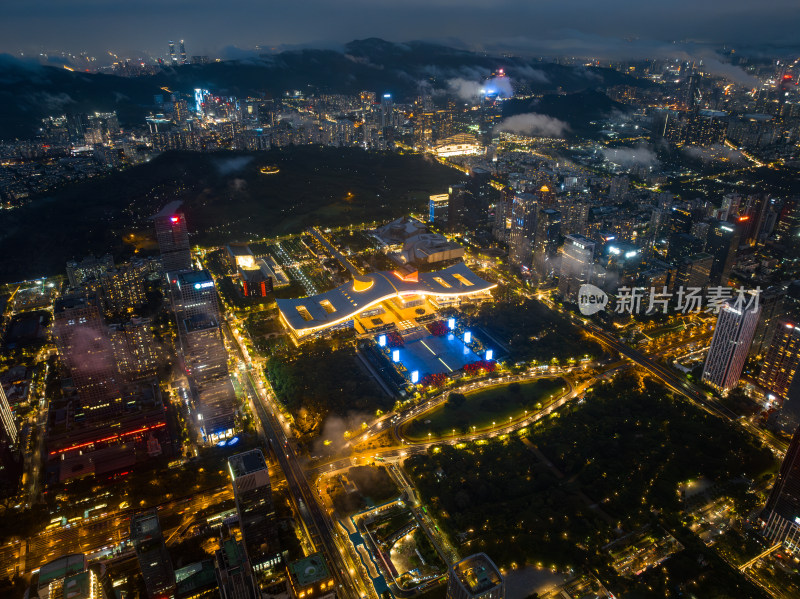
[[415, 377]]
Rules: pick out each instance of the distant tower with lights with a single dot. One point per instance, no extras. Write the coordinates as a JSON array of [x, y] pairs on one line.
[[173, 239]]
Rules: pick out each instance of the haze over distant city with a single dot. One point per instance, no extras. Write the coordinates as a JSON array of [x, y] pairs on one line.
[[583, 27]]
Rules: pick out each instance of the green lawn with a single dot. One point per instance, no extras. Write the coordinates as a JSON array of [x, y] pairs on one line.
[[481, 408]]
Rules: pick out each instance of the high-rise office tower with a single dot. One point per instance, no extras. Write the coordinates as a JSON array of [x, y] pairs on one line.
[[173, 239], [681, 220], [456, 207], [780, 364], [475, 577], [621, 262], [694, 271], [722, 244], [151, 552], [545, 196], [136, 351], [730, 206], [503, 210], [523, 229], [575, 217], [253, 494], [700, 231], [545, 243], [788, 229], [173, 58], [387, 111], [123, 288], [7, 426], [683, 245], [438, 209], [204, 352], [194, 293], [729, 345], [183, 53], [781, 515], [194, 299], [85, 348], [234, 572], [577, 266], [771, 302]]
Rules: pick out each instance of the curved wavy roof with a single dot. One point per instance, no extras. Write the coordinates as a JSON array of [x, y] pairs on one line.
[[346, 301]]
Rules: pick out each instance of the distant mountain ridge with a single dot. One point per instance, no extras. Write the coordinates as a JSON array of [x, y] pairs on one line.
[[29, 91]]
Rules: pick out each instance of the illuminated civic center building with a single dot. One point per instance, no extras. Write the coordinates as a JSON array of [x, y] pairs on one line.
[[377, 301]]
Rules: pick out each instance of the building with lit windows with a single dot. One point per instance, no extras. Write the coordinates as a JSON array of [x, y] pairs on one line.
[[196, 306], [772, 309], [136, 351], [781, 516], [124, 288], [194, 293], [503, 211], [85, 348], [310, 578], [234, 572], [438, 209], [545, 243], [68, 577], [253, 494], [620, 262], [173, 239], [151, 552], [694, 271], [778, 375], [523, 229], [460, 144], [577, 266], [475, 577], [680, 220], [90, 268], [456, 207], [722, 244], [729, 345]]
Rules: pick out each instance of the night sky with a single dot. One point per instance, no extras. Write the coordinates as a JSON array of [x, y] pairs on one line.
[[212, 27]]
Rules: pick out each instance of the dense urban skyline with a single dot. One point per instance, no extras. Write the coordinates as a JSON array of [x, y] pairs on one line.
[[295, 305]]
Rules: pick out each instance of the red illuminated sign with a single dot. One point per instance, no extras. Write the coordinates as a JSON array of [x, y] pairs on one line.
[[174, 219], [110, 438]]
